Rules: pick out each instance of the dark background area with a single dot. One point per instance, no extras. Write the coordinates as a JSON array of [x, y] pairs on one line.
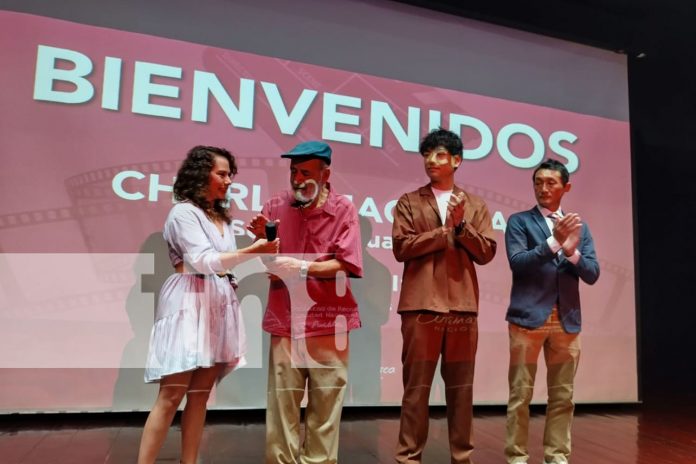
[[659, 39]]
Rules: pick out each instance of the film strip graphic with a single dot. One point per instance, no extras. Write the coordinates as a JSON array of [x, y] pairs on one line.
[[94, 209], [492, 197], [92, 184], [38, 217], [94, 204], [94, 200]]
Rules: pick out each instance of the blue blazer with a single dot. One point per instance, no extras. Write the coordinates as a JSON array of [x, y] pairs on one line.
[[540, 278]]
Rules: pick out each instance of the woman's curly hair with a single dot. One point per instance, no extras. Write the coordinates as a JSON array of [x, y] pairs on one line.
[[193, 178]]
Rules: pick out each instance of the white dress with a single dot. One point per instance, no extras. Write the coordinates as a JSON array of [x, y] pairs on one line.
[[197, 321]]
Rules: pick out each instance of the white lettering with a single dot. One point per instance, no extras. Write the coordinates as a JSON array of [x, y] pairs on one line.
[[389, 210], [117, 185], [556, 147], [288, 122], [396, 281], [382, 113], [369, 209], [503, 143], [434, 119], [47, 74], [112, 83], [498, 221], [237, 193], [256, 198], [62, 76], [205, 83], [457, 124], [156, 187], [379, 241], [332, 117], [143, 88], [387, 242]]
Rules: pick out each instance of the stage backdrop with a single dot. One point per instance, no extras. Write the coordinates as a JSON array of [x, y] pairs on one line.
[[95, 120]]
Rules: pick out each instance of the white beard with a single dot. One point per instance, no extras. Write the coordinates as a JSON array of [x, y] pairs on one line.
[[305, 199]]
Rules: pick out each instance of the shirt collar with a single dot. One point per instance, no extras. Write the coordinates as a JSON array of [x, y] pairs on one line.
[[329, 206], [436, 191], [427, 190], [545, 212]]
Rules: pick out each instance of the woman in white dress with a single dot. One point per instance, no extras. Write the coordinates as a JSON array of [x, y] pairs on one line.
[[198, 336]]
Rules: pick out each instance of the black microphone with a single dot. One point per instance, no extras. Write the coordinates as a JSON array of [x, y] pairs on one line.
[[271, 234], [271, 231]]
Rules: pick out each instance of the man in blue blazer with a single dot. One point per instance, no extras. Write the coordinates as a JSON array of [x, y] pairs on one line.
[[549, 251]]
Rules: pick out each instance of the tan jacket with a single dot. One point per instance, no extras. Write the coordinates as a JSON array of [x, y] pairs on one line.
[[439, 273]]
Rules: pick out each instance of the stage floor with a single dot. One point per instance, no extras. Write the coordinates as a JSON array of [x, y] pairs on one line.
[[605, 434]]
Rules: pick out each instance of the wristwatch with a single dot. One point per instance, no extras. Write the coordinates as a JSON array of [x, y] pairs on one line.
[[459, 227], [304, 269]]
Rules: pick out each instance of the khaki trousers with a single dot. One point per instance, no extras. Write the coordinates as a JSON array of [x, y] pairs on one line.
[[427, 336], [562, 354], [290, 371]]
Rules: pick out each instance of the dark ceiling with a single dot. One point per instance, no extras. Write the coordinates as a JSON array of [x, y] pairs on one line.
[[633, 26]]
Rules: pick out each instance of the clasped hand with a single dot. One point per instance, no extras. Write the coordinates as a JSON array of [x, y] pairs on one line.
[[455, 210], [567, 232]]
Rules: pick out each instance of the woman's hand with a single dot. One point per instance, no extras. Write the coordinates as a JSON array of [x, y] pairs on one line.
[[264, 246]]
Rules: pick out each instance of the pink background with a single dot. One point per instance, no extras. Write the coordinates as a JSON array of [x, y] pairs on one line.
[[58, 161]]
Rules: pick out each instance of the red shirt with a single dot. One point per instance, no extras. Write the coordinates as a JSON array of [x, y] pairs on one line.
[[304, 308]]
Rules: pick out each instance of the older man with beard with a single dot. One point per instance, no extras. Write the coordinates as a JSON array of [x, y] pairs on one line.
[[310, 308]]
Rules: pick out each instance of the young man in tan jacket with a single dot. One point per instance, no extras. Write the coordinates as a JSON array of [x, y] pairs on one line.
[[439, 233]]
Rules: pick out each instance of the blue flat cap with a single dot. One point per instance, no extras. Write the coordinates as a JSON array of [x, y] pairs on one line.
[[311, 149]]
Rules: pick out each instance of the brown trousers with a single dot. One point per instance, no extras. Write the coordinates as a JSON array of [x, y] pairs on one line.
[[427, 336]]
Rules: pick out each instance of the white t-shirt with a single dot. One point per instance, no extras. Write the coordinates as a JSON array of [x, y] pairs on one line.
[[443, 198]]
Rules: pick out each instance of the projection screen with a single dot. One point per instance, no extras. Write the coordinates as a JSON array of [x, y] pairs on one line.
[[101, 101]]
